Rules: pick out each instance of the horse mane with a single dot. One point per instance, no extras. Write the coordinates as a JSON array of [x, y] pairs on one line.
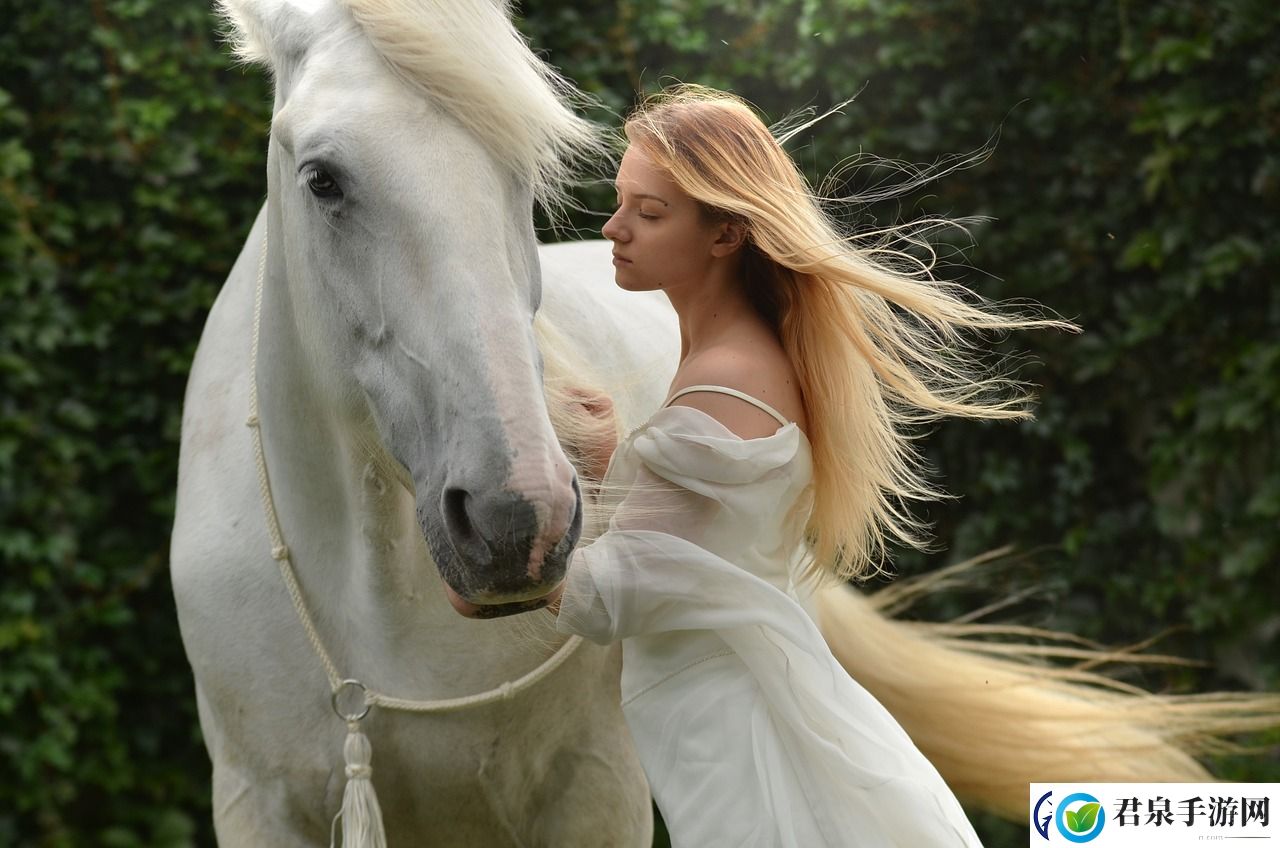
[[467, 56]]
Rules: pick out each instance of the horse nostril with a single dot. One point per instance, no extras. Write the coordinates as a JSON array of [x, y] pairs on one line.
[[500, 540], [455, 515]]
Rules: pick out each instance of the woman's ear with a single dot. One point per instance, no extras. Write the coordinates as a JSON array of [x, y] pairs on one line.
[[731, 236]]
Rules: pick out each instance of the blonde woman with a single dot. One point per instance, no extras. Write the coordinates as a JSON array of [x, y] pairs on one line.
[[783, 423], [805, 355]]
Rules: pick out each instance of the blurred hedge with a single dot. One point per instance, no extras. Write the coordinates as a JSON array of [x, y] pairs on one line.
[[1134, 189], [131, 164]]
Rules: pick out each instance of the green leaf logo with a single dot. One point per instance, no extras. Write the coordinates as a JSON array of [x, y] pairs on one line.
[[1081, 820]]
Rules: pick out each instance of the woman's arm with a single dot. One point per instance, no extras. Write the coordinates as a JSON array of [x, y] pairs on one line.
[[623, 582]]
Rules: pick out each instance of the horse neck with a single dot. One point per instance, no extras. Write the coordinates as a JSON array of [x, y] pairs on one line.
[[352, 531]]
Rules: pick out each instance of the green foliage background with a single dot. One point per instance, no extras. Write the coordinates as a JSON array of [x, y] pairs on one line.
[[1134, 189]]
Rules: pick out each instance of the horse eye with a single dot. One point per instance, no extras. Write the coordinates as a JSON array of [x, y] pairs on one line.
[[322, 185]]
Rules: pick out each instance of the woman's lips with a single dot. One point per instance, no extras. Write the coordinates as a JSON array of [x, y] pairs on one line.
[[618, 260]]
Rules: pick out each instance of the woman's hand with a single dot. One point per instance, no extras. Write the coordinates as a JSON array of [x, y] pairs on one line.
[[553, 600], [598, 451], [595, 449]]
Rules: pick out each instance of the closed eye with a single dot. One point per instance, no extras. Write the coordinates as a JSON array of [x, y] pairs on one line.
[[617, 206]]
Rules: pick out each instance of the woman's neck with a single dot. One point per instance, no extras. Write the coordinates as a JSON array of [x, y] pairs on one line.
[[712, 310]]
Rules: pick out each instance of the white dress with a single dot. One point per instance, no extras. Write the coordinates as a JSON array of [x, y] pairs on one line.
[[749, 730]]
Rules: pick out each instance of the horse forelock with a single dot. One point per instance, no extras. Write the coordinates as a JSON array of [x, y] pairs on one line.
[[467, 56]]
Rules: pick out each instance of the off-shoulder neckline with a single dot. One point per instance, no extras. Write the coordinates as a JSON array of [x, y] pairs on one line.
[[790, 425]]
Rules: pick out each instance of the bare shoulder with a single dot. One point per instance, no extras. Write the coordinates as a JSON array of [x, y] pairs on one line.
[[762, 371]]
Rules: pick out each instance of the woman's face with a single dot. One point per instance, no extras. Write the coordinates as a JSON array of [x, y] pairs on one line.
[[661, 239]]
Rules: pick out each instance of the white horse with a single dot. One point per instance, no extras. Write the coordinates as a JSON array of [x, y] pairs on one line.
[[407, 445]]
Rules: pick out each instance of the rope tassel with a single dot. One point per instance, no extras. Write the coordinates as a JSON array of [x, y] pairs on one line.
[[361, 816]]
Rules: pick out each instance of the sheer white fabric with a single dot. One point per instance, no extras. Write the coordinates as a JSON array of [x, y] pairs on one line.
[[749, 730]]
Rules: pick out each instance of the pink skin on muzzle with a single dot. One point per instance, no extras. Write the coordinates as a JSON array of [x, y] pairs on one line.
[[470, 610]]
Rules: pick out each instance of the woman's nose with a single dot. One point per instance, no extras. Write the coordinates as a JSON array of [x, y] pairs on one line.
[[611, 229]]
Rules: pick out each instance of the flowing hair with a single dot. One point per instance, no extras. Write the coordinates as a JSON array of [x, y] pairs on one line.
[[878, 342], [880, 345]]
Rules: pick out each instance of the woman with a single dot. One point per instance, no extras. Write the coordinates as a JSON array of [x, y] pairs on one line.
[[783, 425], [779, 461]]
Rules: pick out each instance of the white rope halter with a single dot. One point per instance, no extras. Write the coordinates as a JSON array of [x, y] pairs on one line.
[[357, 763]]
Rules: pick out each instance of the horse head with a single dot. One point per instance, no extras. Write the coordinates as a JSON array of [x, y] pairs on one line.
[[409, 142]]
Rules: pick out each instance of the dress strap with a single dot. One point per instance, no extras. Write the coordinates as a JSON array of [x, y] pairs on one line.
[[725, 390]]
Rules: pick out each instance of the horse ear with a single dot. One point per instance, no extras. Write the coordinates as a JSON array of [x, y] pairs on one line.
[[273, 33]]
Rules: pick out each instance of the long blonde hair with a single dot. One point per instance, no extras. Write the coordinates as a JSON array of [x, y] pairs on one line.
[[878, 345]]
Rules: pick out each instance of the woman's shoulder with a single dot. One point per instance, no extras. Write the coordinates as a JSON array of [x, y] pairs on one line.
[[755, 368], [696, 451]]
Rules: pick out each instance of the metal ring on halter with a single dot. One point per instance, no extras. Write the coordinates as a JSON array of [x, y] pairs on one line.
[[363, 696]]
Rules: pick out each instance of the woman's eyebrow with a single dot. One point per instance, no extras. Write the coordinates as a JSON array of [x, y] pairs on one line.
[[643, 196]]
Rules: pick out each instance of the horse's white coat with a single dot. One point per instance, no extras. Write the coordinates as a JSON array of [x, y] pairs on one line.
[[397, 338], [309, 7]]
